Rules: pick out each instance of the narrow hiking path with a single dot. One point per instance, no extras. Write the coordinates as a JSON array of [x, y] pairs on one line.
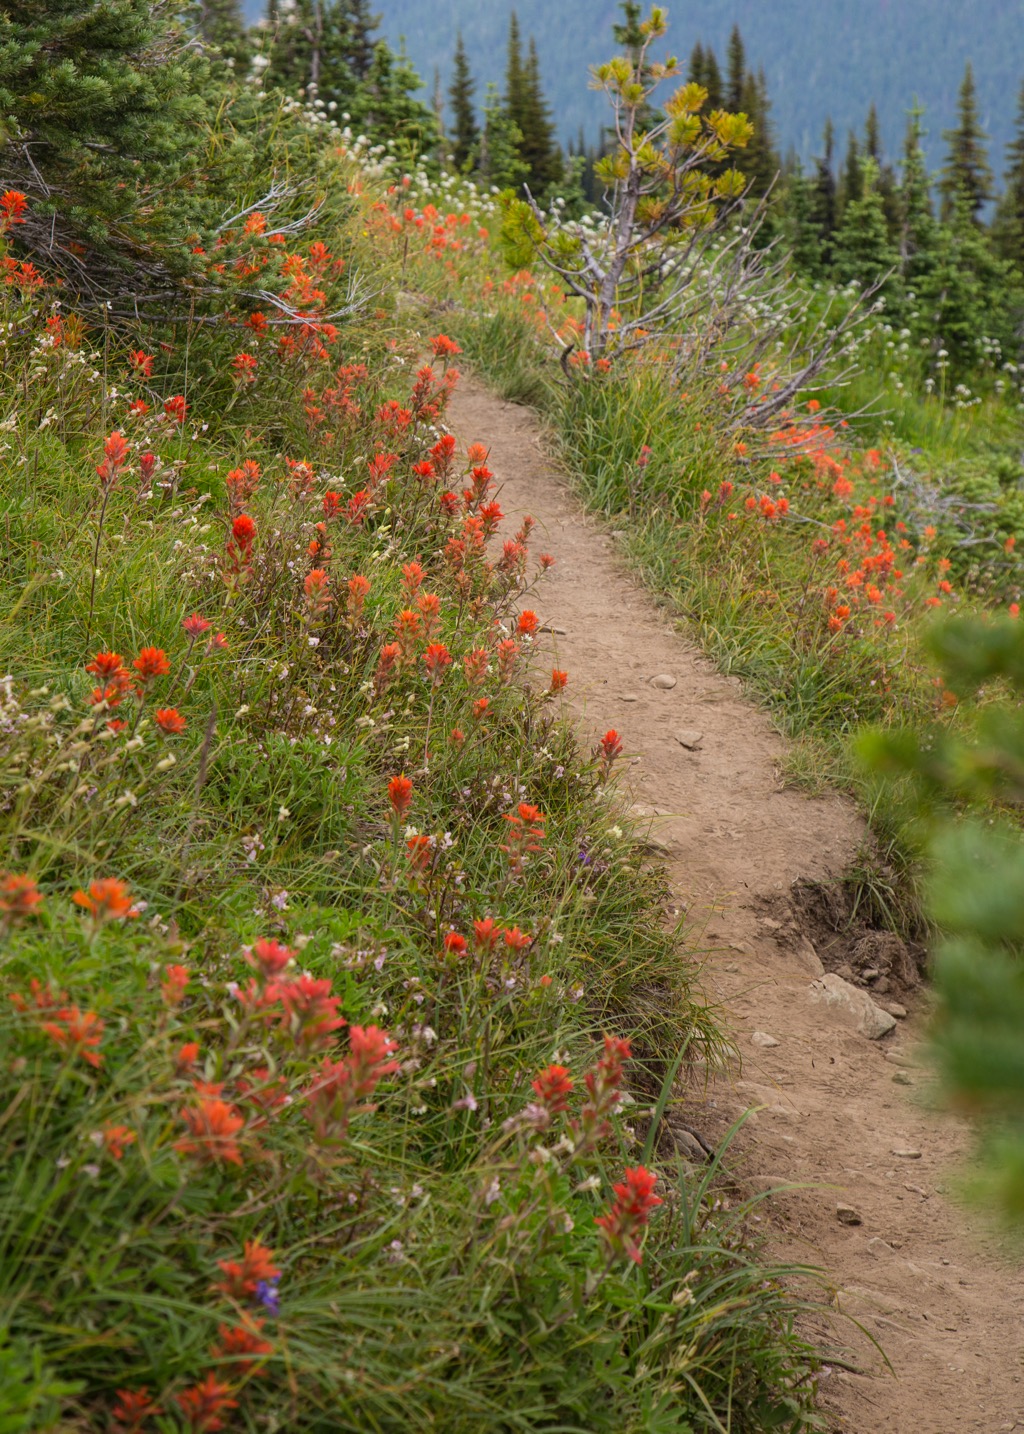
[[845, 1114]]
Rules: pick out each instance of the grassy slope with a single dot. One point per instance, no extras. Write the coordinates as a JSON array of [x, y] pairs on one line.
[[166, 1097]]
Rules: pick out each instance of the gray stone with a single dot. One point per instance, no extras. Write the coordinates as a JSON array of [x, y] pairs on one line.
[[664, 680], [689, 738], [807, 958], [762, 1039], [847, 1215], [895, 1009], [907, 1154], [853, 1006]]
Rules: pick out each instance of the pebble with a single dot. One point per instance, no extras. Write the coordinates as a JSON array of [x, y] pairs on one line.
[[664, 680], [901, 1078], [895, 1009], [807, 958], [689, 738], [630, 698], [763, 1039], [907, 1154], [847, 1215]]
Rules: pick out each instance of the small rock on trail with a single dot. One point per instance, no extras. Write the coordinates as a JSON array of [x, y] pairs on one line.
[[852, 1005]]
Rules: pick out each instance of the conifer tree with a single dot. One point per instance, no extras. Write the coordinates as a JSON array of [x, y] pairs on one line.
[[761, 162], [498, 158], [966, 176], [968, 292], [360, 36], [1009, 227], [737, 71], [538, 148], [712, 81], [886, 181], [917, 231], [629, 36], [465, 130], [823, 194], [221, 27], [801, 229], [851, 183], [695, 75], [864, 253], [98, 108], [515, 77]]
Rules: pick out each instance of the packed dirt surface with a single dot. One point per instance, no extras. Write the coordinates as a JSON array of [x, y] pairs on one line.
[[844, 1116]]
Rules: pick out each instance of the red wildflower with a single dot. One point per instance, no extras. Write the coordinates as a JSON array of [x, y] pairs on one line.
[[516, 940], [603, 1085], [400, 795], [19, 897], [195, 626], [552, 1087], [116, 1139], [106, 900], [106, 664], [174, 984], [331, 503], [269, 957], [213, 1125], [203, 1404], [420, 851], [358, 588], [175, 408], [526, 834], [141, 362], [152, 662], [169, 720], [78, 1032], [242, 1346], [558, 679], [435, 660], [508, 656], [132, 1408], [455, 945], [528, 623], [243, 531], [242, 1277], [245, 366], [389, 655], [309, 1011], [635, 1199], [340, 1086], [412, 579], [186, 1057], [13, 207], [444, 347], [610, 746], [316, 586], [475, 665], [116, 450]]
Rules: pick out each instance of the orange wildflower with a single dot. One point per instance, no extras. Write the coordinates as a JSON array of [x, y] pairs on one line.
[[152, 662], [213, 1125], [106, 900], [117, 1138], [79, 1032]]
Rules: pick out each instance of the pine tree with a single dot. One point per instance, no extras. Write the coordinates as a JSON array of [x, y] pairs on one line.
[[737, 72], [760, 160], [1009, 226], [221, 26], [99, 108], [917, 231], [851, 183], [360, 36], [864, 253], [497, 156], [465, 130], [968, 292], [886, 181], [697, 71], [966, 175], [538, 148], [824, 211], [629, 36], [515, 77], [712, 80], [801, 228]]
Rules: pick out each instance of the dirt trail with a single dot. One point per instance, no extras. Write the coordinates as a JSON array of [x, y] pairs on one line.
[[834, 1106]]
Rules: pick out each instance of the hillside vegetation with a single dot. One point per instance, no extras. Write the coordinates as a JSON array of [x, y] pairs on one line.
[[827, 58]]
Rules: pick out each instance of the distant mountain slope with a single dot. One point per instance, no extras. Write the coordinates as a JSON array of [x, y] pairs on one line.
[[820, 56]]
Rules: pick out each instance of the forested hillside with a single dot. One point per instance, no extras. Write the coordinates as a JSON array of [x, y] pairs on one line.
[[827, 57]]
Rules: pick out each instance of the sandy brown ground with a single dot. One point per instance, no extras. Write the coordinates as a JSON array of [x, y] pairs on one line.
[[918, 1272]]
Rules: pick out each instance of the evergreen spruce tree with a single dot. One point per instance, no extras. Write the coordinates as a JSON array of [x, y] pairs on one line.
[[1009, 226], [864, 253], [966, 176], [696, 72], [917, 230], [761, 162], [968, 293], [736, 73], [222, 28], [99, 108], [465, 134], [824, 214], [886, 175], [800, 227], [360, 36], [712, 80], [497, 157], [538, 148], [851, 183], [515, 75]]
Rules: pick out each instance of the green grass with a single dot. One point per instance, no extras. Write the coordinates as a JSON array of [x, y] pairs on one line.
[[440, 1261]]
